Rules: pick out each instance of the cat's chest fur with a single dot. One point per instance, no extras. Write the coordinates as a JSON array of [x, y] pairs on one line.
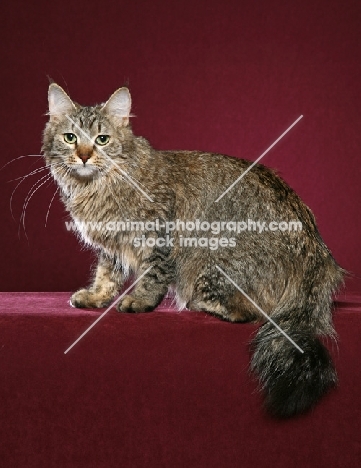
[[91, 207], [98, 212]]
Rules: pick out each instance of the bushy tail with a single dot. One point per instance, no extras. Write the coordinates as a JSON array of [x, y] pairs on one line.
[[292, 381]]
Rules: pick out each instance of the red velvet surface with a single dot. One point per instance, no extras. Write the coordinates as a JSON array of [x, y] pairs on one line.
[[226, 76], [163, 389]]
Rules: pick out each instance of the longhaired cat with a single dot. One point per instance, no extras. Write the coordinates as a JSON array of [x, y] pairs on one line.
[[108, 175]]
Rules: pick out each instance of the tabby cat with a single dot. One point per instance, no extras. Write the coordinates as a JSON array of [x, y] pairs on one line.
[[107, 174]]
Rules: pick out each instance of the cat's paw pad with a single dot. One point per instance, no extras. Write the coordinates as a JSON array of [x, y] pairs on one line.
[[132, 304], [85, 298]]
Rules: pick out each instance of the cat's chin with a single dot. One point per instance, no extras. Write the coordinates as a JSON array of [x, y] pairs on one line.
[[85, 172]]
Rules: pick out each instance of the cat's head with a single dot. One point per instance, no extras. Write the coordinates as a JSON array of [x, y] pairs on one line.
[[85, 143]]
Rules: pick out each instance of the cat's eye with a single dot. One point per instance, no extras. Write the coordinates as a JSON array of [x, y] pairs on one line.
[[102, 140], [70, 138]]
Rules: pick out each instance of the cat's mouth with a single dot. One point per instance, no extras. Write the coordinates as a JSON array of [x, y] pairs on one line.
[[85, 172]]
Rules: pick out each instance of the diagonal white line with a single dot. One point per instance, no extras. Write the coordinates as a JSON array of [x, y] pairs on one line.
[[258, 159], [108, 309], [107, 157], [262, 312]]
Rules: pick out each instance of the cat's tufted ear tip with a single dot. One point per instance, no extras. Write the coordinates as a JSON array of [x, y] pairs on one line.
[[55, 88], [54, 85], [60, 103], [118, 105]]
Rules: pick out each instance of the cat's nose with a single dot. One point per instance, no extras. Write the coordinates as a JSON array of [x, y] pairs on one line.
[[84, 156]]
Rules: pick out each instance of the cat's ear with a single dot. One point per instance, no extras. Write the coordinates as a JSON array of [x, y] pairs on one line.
[[118, 106], [60, 103]]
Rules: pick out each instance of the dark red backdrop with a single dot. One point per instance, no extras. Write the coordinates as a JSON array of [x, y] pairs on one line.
[[220, 76]]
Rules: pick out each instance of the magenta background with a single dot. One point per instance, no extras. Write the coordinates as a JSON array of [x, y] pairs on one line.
[[219, 76]]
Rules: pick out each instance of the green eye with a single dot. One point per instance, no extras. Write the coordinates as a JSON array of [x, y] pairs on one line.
[[102, 140], [70, 138]]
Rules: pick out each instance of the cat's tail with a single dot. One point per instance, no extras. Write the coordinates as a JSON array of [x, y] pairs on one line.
[[293, 381]]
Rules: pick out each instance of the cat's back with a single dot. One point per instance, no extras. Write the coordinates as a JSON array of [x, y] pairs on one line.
[[216, 183], [217, 172], [203, 169]]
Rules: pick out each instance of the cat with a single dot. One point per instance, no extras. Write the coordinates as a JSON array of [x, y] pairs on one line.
[[106, 174]]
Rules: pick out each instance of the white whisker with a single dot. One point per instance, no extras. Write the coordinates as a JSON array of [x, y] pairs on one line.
[[40, 169], [30, 194], [21, 157], [35, 171], [51, 202]]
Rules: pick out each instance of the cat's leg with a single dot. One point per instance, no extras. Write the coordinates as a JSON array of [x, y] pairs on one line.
[[151, 289], [106, 284], [212, 293]]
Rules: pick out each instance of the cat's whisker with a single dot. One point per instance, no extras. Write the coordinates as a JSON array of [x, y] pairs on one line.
[[35, 171], [23, 214], [21, 157], [40, 169], [46, 176], [30, 194], [13, 193], [51, 202]]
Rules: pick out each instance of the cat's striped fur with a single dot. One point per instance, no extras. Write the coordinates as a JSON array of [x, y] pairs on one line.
[[290, 275]]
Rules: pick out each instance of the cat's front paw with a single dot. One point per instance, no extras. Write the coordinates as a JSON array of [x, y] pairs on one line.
[[133, 304], [88, 299]]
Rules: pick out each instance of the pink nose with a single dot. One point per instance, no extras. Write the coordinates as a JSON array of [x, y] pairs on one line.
[[84, 157]]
